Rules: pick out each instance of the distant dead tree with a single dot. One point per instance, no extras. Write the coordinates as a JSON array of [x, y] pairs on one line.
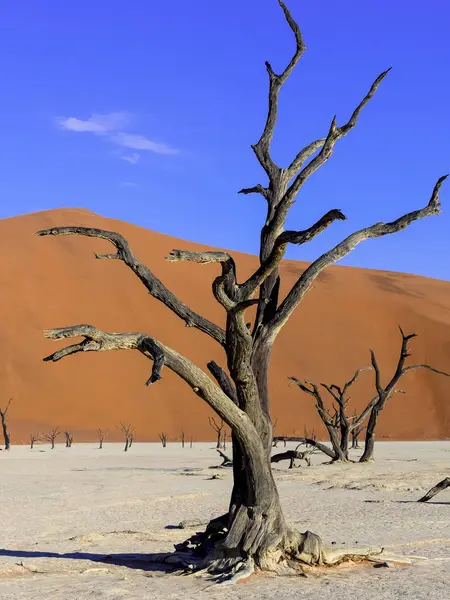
[[192, 441], [6, 435], [218, 428], [383, 394], [34, 437], [356, 432], [292, 456], [51, 437], [338, 424], [182, 439], [163, 438], [69, 439], [102, 434], [128, 431]]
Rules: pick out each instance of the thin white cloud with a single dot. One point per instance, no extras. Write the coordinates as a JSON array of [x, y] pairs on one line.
[[101, 124], [131, 158], [140, 142], [111, 126], [128, 184]]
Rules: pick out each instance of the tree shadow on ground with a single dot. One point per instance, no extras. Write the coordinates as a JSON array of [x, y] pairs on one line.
[[143, 562]]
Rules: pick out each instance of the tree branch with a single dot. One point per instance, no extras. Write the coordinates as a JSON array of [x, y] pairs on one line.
[[101, 341], [306, 440], [287, 237], [223, 380], [155, 287], [262, 147], [334, 134], [303, 284]]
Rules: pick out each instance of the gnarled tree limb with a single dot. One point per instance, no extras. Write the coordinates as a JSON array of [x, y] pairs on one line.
[[303, 284], [102, 341], [155, 287], [248, 288]]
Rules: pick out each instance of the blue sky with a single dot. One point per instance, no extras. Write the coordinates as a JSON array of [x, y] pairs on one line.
[[145, 111]]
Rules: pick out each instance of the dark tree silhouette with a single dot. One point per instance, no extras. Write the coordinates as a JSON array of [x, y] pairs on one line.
[[218, 428], [128, 431], [163, 438], [102, 434], [384, 393], [69, 439], [254, 530], [337, 423], [34, 437], [51, 437], [182, 439], [6, 434]]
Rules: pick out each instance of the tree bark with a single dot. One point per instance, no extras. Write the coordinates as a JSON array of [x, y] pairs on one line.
[[6, 435], [369, 443], [442, 485]]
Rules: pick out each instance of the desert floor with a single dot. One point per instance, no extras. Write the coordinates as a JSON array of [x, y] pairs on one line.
[[62, 511]]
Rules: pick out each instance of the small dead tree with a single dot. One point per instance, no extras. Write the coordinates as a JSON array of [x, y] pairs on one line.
[[292, 456], [254, 531], [128, 431], [192, 441], [102, 434], [384, 393], [34, 437], [338, 425], [356, 432], [163, 438], [6, 434], [182, 439], [69, 439], [218, 428], [51, 437]]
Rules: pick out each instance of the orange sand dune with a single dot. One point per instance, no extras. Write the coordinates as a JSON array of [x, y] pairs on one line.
[[54, 282]]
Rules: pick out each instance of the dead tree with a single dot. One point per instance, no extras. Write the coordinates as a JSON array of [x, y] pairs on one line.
[[337, 423], [182, 439], [128, 431], [69, 439], [51, 437], [356, 432], [192, 441], [102, 434], [292, 456], [442, 485], [34, 437], [218, 428], [383, 393], [254, 530], [6, 434], [163, 438]]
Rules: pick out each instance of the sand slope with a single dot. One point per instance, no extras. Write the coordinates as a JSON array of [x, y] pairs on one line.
[[54, 282]]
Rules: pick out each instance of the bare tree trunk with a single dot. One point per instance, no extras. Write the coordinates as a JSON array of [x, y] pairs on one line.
[[6, 435], [182, 439], [369, 443]]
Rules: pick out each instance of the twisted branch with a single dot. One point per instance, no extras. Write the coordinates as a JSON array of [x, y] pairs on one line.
[[155, 287]]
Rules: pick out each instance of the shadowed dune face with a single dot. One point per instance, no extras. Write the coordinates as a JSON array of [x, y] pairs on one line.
[[55, 282]]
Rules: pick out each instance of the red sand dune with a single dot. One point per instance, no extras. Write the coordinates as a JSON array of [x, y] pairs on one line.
[[55, 282]]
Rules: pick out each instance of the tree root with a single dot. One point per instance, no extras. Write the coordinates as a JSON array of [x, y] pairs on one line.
[[206, 555]]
